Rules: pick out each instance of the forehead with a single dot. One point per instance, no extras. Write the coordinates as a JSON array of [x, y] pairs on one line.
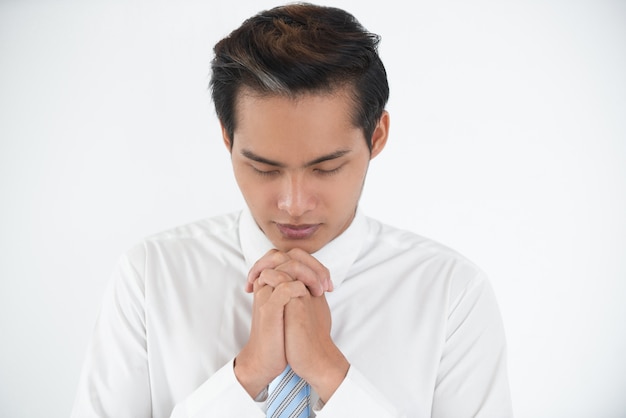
[[315, 122]]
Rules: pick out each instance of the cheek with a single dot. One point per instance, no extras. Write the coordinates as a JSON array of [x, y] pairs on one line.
[[253, 191], [346, 192]]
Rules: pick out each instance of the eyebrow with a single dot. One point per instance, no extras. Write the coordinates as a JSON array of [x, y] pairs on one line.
[[333, 155]]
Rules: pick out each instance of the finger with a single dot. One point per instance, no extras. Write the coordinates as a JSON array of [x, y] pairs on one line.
[[261, 296], [256, 286], [320, 270], [273, 277], [270, 260], [302, 272], [285, 292]]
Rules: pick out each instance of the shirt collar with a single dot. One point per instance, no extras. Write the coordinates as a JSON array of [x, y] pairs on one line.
[[338, 255]]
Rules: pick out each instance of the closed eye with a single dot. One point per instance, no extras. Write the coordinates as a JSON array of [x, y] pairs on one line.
[[265, 173], [328, 172]]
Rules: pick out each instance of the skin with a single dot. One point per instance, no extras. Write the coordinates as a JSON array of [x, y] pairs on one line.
[[300, 164]]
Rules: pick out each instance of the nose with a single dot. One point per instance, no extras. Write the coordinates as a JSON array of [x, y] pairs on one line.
[[296, 197]]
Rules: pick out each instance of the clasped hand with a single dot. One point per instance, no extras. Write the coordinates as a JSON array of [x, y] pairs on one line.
[[291, 324]]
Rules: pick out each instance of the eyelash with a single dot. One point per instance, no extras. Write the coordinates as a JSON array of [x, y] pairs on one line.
[[265, 173], [272, 173], [328, 172]]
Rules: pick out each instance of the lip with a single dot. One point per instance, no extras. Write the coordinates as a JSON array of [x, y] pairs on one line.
[[297, 232]]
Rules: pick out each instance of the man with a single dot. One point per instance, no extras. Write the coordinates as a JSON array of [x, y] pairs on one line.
[[299, 305]]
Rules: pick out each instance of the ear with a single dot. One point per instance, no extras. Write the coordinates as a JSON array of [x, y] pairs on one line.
[[227, 139], [380, 135]]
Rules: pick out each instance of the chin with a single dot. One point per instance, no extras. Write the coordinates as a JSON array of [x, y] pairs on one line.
[[285, 245]]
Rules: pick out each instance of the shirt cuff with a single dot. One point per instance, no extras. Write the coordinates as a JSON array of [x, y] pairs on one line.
[[221, 395], [261, 397], [356, 396]]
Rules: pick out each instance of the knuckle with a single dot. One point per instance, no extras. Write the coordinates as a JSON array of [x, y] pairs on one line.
[[283, 289], [295, 251], [263, 275], [272, 252], [278, 256], [292, 288], [294, 266], [261, 291], [284, 277], [273, 277], [325, 271]]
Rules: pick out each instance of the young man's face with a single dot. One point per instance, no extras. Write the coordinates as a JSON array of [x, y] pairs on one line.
[[300, 164]]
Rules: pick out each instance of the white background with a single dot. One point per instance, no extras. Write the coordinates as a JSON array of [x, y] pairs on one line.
[[508, 143]]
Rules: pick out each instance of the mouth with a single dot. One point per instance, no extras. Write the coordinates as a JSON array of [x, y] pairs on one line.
[[297, 232]]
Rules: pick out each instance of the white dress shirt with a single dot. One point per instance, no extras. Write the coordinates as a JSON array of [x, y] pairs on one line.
[[418, 323]]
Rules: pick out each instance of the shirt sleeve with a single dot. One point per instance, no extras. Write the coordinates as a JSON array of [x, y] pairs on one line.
[[115, 379], [356, 396], [220, 396], [472, 378]]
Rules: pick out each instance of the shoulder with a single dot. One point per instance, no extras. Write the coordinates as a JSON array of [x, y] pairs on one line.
[[203, 237], [217, 226], [382, 235], [419, 253]]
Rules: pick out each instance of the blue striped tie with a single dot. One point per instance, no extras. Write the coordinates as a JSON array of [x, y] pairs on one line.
[[289, 396]]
